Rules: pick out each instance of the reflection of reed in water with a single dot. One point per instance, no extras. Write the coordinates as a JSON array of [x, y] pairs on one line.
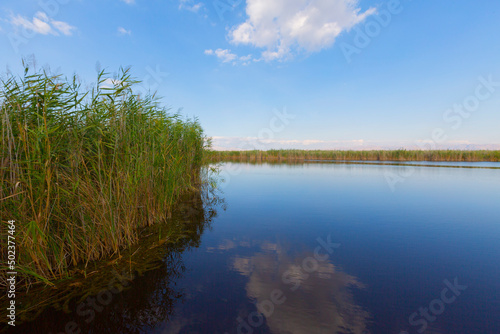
[[321, 302], [129, 293]]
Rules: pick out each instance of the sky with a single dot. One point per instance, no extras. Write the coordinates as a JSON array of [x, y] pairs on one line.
[[271, 74]]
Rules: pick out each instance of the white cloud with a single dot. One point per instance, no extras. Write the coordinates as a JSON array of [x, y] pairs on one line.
[[189, 5], [246, 60], [110, 83], [224, 55], [123, 31], [63, 27], [38, 24], [129, 2], [195, 7], [42, 24], [283, 27]]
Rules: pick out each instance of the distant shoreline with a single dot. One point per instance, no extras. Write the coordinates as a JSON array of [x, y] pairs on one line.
[[370, 155]]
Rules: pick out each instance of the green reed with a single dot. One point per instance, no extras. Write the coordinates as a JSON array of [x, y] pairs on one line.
[[373, 155], [81, 171]]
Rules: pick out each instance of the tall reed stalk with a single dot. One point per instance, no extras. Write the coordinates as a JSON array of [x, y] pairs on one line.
[[80, 171]]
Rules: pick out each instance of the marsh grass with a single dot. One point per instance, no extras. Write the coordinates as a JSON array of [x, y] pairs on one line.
[[81, 171], [159, 244], [373, 155]]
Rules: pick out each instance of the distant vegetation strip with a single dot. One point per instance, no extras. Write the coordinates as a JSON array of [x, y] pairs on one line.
[[372, 155], [82, 170]]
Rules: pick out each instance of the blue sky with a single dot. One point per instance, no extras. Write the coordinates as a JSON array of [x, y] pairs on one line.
[[286, 73]]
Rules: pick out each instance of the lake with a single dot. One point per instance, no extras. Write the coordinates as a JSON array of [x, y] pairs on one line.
[[322, 248]]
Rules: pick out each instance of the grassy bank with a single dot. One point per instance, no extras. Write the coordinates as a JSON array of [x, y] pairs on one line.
[[81, 171], [380, 155]]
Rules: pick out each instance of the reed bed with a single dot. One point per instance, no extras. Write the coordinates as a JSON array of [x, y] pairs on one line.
[[159, 243], [374, 155], [81, 171]]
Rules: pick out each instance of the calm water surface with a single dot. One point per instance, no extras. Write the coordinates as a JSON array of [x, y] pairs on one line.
[[327, 248]]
